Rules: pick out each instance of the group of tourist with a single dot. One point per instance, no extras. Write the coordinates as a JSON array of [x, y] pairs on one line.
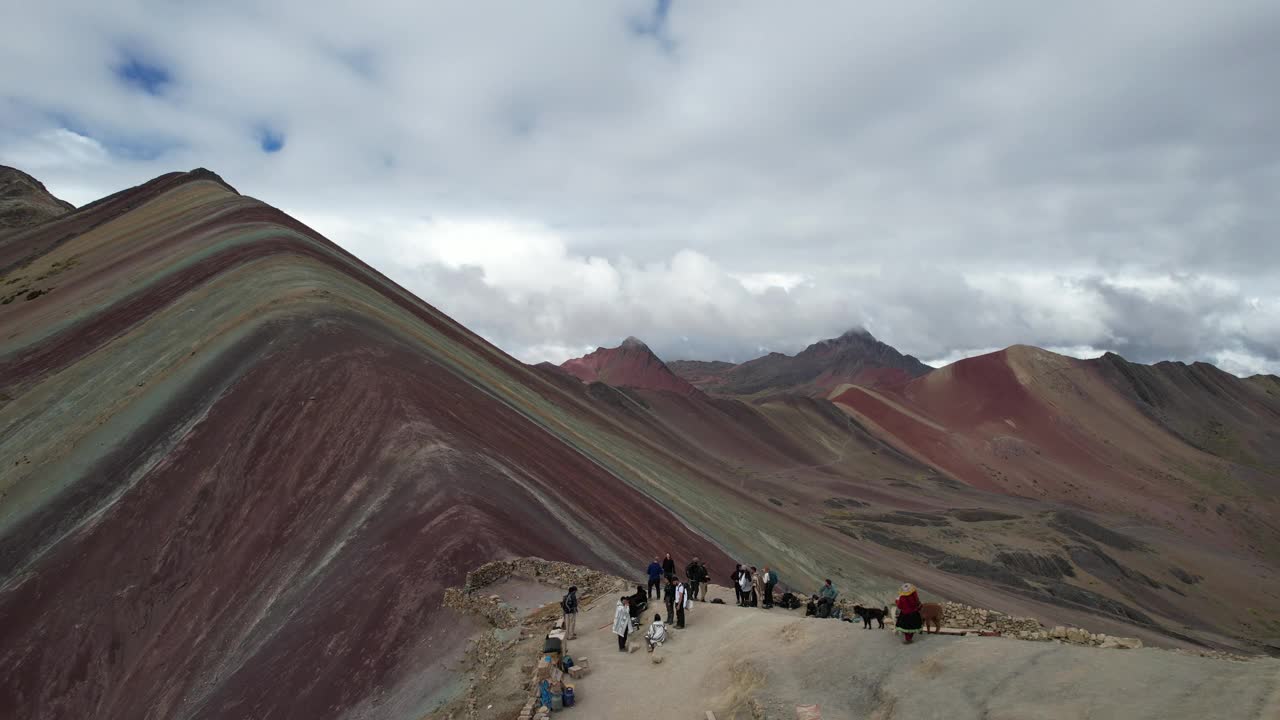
[[751, 587]]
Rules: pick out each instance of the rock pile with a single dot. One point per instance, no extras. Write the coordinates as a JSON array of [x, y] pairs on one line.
[[589, 582], [967, 617]]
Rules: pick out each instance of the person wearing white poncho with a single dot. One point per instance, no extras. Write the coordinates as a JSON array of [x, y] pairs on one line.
[[657, 633]]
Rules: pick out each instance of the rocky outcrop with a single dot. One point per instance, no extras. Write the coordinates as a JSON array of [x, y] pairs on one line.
[[25, 203]]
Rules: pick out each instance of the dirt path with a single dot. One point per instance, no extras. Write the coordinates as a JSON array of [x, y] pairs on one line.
[[737, 662]]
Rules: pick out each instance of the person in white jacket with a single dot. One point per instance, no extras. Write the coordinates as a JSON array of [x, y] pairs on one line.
[[622, 622], [744, 586], [657, 633], [682, 603]]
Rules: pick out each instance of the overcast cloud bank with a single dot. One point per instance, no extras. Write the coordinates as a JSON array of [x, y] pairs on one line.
[[719, 180]]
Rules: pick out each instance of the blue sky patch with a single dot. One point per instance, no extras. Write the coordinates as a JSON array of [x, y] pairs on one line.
[[656, 22], [148, 77], [270, 140]]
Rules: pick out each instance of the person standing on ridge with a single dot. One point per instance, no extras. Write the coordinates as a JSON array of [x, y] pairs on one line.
[[655, 579], [669, 595], [704, 576], [744, 587], [570, 607], [909, 622], [694, 573], [682, 603], [622, 622], [770, 580], [668, 566], [736, 581], [757, 586]]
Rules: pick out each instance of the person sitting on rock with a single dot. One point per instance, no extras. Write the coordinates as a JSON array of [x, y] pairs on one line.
[[811, 609], [657, 633], [639, 601], [909, 622]]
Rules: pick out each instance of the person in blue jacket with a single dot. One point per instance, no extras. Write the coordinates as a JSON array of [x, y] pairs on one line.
[[655, 579]]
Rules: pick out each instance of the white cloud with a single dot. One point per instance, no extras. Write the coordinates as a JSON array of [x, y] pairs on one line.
[[952, 177]]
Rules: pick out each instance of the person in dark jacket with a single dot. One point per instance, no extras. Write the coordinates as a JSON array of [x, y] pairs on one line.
[[668, 566], [705, 578], [681, 603], [669, 595], [639, 602], [655, 579], [694, 573], [770, 580], [734, 580], [570, 607]]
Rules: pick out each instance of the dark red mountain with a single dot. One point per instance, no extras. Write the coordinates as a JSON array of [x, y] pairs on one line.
[[631, 364]]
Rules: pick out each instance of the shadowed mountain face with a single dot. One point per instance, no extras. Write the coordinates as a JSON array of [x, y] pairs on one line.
[[25, 203], [241, 466], [855, 357]]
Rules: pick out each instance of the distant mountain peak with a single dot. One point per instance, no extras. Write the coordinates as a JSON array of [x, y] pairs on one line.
[[631, 364], [856, 357]]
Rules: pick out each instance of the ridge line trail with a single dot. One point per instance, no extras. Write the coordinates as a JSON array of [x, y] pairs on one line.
[[728, 659]]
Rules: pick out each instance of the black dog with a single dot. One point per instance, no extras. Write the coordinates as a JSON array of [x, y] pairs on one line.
[[869, 614]]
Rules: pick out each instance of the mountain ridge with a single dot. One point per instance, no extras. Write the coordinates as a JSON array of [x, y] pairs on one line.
[[235, 444], [855, 356]]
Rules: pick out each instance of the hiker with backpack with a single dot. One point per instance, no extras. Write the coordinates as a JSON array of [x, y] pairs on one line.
[[694, 573], [704, 580], [744, 587], [569, 605]]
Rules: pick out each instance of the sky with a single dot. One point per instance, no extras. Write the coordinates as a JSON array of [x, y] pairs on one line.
[[719, 179]]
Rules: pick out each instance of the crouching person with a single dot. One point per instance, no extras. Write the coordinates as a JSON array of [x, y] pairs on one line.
[[657, 633]]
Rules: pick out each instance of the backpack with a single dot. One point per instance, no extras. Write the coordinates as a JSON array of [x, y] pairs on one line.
[[564, 604]]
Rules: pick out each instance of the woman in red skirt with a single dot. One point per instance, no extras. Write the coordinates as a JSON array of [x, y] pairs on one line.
[[908, 603]]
